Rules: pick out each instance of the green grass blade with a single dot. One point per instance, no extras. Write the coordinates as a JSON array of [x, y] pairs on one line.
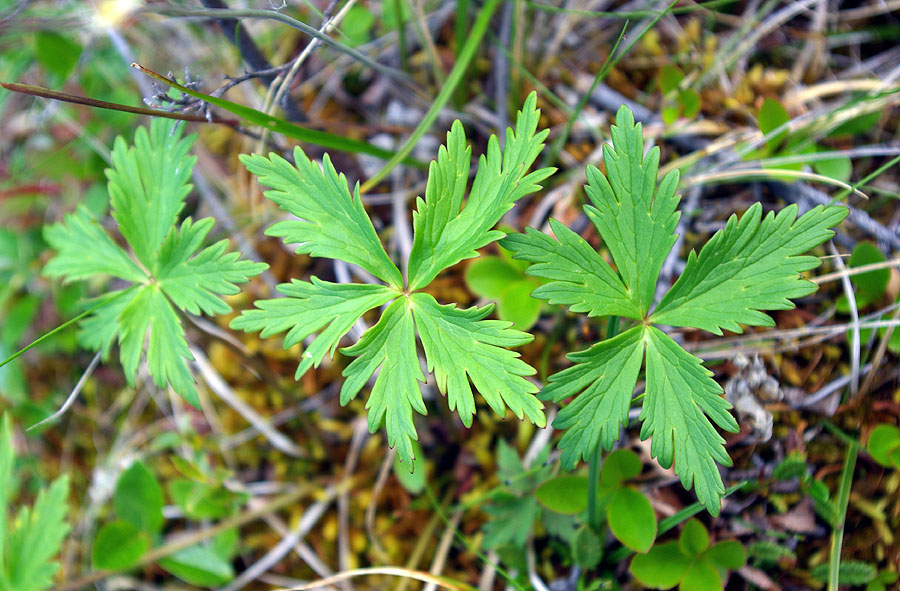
[[292, 130], [456, 75], [62, 326]]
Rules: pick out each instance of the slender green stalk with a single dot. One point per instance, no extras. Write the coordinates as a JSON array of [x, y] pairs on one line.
[[63, 326], [98, 104], [595, 517], [453, 80], [292, 130], [841, 502]]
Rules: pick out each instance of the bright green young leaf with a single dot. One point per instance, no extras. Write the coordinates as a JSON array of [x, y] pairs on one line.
[[579, 277], [490, 276], [517, 307], [619, 466], [771, 116], [883, 445], [148, 183], [332, 308], [662, 567], [30, 539], [566, 494], [694, 539], [138, 499], [680, 391], [333, 222], [118, 545], [727, 555], [461, 346], [195, 283], [636, 218], [167, 349], [752, 264], [631, 519], [603, 378], [199, 565], [390, 348], [444, 234], [702, 575]]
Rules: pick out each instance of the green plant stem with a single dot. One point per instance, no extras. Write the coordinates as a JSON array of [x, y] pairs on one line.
[[271, 123], [63, 326], [841, 503], [456, 75], [595, 517], [98, 104]]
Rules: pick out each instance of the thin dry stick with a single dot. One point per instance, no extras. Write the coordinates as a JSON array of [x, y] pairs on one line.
[[380, 482], [218, 385], [306, 523], [360, 434], [280, 85], [880, 351], [74, 395], [440, 555], [394, 571], [854, 322]]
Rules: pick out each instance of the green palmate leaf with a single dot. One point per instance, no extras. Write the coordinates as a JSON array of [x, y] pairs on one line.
[[167, 351], [332, 308], [603, 377], [579, 277], [461, 346], [752, 264], [333, 222], [679, 392], [636, 220], [195, 283], [148, 184], [78, 261], [389, 347], [444, 234]]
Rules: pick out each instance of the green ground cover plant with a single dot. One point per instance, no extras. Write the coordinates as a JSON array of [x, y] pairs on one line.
[[751, 265], [460, 345], [167, 266]]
